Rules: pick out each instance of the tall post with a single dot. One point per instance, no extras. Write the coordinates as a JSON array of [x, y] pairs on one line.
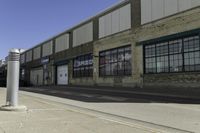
[[13, 77], [13, 82]]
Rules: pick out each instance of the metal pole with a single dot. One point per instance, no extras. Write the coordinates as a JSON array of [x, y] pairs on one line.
[[13, 77], [13, 82]]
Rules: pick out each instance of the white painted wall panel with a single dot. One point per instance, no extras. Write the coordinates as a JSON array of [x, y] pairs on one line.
[[125, 17], [171, 7], [146, 11], [80, 35], [83, 34], [29, 56], [74, 38], [157, 9], [184, 4], [195, 3], [115, 22], [89, 29], [37, 53], [62, 43], [47, 49], [101, 27], [22, 59], [108, 24]]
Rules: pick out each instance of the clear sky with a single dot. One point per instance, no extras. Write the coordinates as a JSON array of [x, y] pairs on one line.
[[25, 23]]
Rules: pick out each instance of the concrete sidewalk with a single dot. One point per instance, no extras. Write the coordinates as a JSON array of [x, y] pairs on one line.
[[45, 116], [165, 116], [51, 114]]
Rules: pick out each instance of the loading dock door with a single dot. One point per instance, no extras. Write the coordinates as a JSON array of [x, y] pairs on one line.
[[36, 77], [62, 75]]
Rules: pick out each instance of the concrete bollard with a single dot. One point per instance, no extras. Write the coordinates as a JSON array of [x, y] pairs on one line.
[[13, 82]]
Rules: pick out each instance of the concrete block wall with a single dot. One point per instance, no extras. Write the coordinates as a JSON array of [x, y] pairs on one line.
[[182, 22], [110, 42]]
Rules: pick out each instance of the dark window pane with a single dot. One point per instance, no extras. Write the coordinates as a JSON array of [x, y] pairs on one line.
[[107, 57], [90, 59], [113, 62], [150, 51], [113, 56], [121, 68], [191, 44], [175, 46], [162, 64], [102, 70], [192, 60], [107, 69], [161, 49], [113, 69], [83, 65], [90, 71], [151, 65], [127, 55], [176, 63], [169, 56], [128, 68], [102, 59], [121, 54]]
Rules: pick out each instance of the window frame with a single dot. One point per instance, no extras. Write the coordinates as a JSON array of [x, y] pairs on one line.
[[83, 71], [110, 64], [169, 39]]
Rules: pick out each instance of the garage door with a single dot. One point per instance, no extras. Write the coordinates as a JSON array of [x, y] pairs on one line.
[[36, 77], [62, 75]]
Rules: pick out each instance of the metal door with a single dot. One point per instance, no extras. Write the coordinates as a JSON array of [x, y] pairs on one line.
[[62, 75], [36, 77]]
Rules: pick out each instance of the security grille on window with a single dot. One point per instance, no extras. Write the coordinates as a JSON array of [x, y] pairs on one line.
[[115, 62], [83, 66], [180, 55]]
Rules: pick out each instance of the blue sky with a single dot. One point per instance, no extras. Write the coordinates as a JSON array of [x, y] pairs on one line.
[[25, 23]]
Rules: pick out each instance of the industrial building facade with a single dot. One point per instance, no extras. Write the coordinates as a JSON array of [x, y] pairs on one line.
[[136, 43]]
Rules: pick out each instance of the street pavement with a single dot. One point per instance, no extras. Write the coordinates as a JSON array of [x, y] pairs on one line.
[[126, 95]]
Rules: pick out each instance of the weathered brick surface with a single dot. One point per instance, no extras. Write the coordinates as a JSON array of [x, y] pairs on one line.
[[182, 22]]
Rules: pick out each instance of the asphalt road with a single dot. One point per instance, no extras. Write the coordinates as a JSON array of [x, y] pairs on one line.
[[102, 95]]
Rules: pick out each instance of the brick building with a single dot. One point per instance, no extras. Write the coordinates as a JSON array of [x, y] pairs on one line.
[[135, 43]]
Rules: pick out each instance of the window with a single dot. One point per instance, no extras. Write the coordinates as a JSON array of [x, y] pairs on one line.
[[83, 66], [191, 53], [180, 55], [115, 62]]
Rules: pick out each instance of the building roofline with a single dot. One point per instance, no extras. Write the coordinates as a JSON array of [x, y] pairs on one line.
[[112, 7]]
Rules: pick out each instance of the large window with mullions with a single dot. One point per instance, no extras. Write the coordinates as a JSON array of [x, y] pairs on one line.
[[83, 66], [178, 55], [115, 62]]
